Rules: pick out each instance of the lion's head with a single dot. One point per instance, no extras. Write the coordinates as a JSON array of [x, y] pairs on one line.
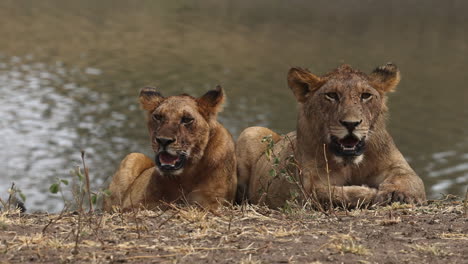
[[179, 127], [343, 107]]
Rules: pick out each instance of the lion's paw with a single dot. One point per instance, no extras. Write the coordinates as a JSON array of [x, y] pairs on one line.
[[389, 193]]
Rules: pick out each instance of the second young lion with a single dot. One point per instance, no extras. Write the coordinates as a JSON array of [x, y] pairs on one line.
[[340, 136]]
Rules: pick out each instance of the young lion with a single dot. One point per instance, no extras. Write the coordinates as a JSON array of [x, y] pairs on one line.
[[194, 155], [341, 134]]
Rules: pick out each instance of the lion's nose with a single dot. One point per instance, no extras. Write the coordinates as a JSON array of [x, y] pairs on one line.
[[350, 125], [164, 141]]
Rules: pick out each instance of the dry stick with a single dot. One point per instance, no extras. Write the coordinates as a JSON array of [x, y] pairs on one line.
[[312, 196], [88, 190], [78, 231], [167, 220], [135, 217], [177, 211], [328, 177], [12, 193], [80, 214], [97, 225], [86, 171], [466, 203], [4, 204], [231, 210], [53, 220]]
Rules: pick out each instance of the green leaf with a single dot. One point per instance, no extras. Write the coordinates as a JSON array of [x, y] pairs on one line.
[[64, 181], [276, 160], [271, 144], [272, 173], [106, 192], [94, 199], [54, 188], [80, 176], [22, 196]]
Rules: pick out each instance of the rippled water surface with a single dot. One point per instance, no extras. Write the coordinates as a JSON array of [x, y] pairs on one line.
[[70, 73]]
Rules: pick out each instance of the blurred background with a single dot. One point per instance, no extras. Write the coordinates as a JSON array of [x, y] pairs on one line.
[[70, 73]]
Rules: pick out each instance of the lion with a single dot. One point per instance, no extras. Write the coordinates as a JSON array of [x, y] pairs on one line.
[[194, 161], [340, 153]]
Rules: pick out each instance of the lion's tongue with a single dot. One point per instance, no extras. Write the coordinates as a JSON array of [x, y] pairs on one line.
[[168, 159], [349, 142]]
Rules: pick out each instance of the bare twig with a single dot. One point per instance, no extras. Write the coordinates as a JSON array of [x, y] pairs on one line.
[[135, 217], [80, 199], [231, 217], [328, 178], [4, 204], [11, 194], [167, 220], [54, 220], [78, 233], [465, 205], [86, 171]]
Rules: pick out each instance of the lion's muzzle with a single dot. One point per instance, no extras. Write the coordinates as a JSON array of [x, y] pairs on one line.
[[168, 162], [348, 146]]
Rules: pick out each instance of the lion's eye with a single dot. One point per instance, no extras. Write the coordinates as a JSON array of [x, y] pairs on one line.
[[366, 96], [157, 117], [332, 96], [186, 120]]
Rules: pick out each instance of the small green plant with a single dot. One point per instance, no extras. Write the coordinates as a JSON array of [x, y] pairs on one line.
[[13, 191], [81, 191], [13, 202], [56, 187], [289, 169], [83, 197]]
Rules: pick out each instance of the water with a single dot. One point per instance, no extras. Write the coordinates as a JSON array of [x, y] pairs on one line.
[[70, 73]]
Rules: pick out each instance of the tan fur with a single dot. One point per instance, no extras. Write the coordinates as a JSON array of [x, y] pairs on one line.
[[208, 178], [379, 175], [250, 153]]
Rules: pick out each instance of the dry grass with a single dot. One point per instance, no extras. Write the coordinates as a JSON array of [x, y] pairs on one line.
[[249, 260], [391, 221], [397, 206], [431, 249], [248, 234], [346, 243], [456, 236]]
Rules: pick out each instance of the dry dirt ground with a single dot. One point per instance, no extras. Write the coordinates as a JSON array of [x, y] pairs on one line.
[[436, 233]]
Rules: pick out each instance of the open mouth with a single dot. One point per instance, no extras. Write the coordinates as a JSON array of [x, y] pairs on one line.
[[347, 146], [168, 162]]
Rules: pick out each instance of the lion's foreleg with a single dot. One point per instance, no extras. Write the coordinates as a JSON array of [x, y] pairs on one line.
[[250, 147], [345, 196], [402, 186], [131, 167]]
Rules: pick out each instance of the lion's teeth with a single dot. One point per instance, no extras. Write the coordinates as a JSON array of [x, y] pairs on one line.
[[348, 149]]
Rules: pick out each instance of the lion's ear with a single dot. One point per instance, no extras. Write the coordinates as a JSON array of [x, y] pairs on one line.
[[150, 98], [385, 78], [212, 101], [302, 82]]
